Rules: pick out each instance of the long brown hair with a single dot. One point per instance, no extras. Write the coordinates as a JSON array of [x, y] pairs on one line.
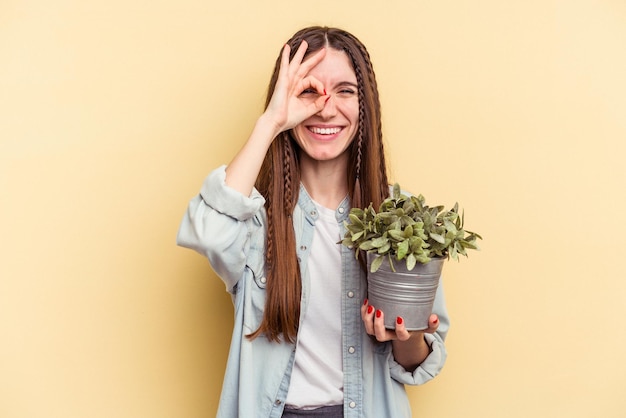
[[279, 181]]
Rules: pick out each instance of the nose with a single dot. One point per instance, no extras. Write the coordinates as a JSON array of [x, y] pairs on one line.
[[330, 108]]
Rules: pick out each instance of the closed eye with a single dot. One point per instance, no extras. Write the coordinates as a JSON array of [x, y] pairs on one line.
[[308, 92], [347, 88]]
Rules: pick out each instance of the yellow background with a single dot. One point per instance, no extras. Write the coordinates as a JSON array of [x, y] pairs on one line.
[[112, 112]]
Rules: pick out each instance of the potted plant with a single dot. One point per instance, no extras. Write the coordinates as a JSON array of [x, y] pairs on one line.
[[406, 243]]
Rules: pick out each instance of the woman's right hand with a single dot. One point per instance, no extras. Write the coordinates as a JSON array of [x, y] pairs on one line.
[[287, 108]]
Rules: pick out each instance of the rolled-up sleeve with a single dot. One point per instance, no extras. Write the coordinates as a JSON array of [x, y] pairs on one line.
[[218, 224], [433, 364]]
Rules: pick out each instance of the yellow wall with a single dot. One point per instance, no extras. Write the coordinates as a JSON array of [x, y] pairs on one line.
[[112, 113]]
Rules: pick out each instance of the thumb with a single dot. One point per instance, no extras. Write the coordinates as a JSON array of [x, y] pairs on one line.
[[320, 102], [433, 323]]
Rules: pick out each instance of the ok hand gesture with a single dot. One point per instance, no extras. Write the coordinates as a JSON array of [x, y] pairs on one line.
[[286, 108]]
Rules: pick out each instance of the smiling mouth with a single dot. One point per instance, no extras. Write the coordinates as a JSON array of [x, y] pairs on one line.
[[324, 131]]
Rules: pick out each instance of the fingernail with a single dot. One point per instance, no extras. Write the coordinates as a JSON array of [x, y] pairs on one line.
[[378, 313], [325, 92], [399, 320], [436, 320], [370, 309], [365, 301], [327, 99]]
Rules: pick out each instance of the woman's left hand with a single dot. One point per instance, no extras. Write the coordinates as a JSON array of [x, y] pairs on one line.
[[374, 320]]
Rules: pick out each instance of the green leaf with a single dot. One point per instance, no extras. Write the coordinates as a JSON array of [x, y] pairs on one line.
[[406, 220], [410, 262], [403, 249], [396, 191], [449, 226], [384, 248], [366, 246], [453, 253], [379, 241], [387, 217], [395, 234], [396, 225], [438, 238], [391, 263], [416, 243], [347, 242], [376, 264], [357, 236], [470, 245], [355, 220], [358, 212]]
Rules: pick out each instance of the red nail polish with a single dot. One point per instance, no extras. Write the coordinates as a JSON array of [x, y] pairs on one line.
[[365, 302], [370, 309], [325, 92], [436, 320], [327, 99], [378, 313], [399, 320]]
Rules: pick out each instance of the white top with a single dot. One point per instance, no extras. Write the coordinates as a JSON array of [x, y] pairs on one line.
[[317, 377]]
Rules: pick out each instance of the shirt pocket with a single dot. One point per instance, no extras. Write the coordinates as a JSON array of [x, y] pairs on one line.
[[256, 284]]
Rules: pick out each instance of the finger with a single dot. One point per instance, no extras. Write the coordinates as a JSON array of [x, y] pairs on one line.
[[364, 307], [433, 324], [317, 105], [284, 59], [297, 58], [379, 327], [312, 61], [401, 332], [311, 82], [284, 68], [367, 313]]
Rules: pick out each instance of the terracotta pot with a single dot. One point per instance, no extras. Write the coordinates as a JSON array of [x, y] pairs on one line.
[[409, 294]]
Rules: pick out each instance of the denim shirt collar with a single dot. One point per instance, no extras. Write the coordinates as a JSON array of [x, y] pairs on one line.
[[310, 209]]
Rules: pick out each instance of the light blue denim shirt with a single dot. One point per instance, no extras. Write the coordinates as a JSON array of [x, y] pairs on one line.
[[229, 229]]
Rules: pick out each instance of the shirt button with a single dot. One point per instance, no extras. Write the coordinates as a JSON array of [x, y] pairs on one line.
[[351, 294], [303, 247], [351, 350], [263, 280], [341, 210], [352, 404], [313, 213], [278, 402]]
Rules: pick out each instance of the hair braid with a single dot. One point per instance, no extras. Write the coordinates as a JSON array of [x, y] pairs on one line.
[[269, 242], [372, 79], [287, 156], [358, 192]]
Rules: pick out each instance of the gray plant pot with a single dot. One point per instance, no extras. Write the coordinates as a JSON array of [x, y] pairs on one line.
[[409, 294]]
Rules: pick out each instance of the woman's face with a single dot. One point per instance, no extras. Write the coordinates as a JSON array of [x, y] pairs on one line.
[[326, 135]]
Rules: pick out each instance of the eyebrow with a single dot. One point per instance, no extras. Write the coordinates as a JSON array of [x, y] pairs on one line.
[[347, 83]]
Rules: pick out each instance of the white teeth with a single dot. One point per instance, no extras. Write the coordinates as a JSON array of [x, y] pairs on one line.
[[325, 131]]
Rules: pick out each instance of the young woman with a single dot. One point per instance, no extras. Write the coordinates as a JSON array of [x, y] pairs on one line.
[[305, 341]]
